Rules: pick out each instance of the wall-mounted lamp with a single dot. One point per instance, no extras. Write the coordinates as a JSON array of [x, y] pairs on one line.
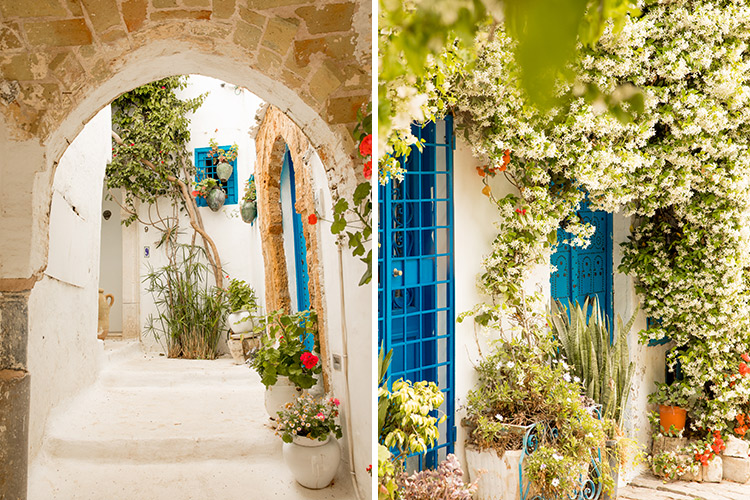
[[106, 214]]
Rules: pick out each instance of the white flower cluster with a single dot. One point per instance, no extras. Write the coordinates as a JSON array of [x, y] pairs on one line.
[[681, 164]]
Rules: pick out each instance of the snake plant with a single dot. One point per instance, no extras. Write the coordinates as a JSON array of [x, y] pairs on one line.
[[599, 359]]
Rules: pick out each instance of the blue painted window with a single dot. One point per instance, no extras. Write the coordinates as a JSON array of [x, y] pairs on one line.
[[204, 167], [300, 249], [585, 272], [415, 275]]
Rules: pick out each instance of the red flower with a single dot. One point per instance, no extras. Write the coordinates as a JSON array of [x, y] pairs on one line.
[[368, 169], [521, 211], [320, 416], [744, 369], [309, 360], [312, 219], [365, 147], [746, 357], [369, 468], [196, 194], [480, 171]]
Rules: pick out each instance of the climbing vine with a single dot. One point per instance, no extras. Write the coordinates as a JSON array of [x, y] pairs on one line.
[[669, 147]]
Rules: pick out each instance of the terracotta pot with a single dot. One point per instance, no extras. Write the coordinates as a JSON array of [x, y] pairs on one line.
[[313, 463], [215, 199], [224, 171], [672, 416], [105, 303]]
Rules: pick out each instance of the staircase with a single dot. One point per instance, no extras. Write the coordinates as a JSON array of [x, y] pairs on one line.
[[153, 428]]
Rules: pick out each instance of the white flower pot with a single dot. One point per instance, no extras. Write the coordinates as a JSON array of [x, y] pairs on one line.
[[279, 394], [497, 476], [241, 322], [313, 463]]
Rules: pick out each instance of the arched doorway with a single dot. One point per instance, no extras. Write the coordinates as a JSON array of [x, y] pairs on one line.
[[63, 61]]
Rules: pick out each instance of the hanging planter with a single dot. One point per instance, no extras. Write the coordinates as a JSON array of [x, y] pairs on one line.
[[224, 171], [215, 199], [249, 211]]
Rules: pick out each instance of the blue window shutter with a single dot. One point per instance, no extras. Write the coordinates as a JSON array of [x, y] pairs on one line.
[[204, 167]]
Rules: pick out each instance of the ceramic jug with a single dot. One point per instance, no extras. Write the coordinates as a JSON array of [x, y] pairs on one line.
[[105, 303]]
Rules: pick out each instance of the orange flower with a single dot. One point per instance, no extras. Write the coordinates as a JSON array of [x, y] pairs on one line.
[[312, 219], [480, 171]]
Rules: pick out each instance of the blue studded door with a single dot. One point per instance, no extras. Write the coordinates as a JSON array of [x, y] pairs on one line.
[[300, 249], [584, 272], [415, 274]]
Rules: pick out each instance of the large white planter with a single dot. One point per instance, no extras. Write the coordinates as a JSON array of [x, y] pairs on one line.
[[279, 394], [313, 463], [241, 322], [498, 476]]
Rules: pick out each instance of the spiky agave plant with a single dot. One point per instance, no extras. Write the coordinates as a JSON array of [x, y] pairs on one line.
[[600, 359]]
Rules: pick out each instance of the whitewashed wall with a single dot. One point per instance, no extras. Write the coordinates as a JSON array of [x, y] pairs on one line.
[[64, 353], [227, 115], [474, 231], [350, 333]]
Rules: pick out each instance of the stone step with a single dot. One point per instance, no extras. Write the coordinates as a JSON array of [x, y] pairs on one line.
[[237, 479], [193, 412]]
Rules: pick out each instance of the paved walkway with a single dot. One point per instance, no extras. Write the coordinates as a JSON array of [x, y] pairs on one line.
[[649, 487], [153, 428]]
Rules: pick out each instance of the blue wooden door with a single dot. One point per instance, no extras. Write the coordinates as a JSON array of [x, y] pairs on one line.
[[415, 274], [585, 272], [300, 249]]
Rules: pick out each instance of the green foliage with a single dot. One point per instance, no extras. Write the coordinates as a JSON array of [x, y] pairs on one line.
[[220, 155], [205, 186], [190, 312], [675, 394], [153, 124], [241, 296], [522, 384], [311, 417], [599, 360], [282, 350], [387, 470], [250, 191]]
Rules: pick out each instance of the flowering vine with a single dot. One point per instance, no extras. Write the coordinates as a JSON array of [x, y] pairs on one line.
[[675, 159]]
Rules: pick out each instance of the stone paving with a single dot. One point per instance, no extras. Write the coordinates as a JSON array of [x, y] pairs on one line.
[[153, 428], [649, 487]]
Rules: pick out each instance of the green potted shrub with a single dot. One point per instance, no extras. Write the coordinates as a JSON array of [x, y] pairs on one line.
[[285, 364], [222, 158], [243, 306], [600, 359], [527, 413], [673, 403]]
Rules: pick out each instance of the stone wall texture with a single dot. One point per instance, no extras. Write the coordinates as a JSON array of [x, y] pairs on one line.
[[275, 133], [53, 52]]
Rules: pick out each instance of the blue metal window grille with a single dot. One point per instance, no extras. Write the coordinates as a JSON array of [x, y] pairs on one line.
[[204, 167], [300, 250], [415, 275], [585, 272]]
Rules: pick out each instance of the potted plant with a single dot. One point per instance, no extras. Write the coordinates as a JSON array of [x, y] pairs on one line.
[[242, 304], [673, 404], [209, 189], [285, 364], [222, 158], [309, 430], [599, 359], [249, 207], [526, 414]]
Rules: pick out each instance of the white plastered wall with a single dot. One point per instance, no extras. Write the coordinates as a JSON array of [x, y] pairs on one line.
[[227, 115], [349, 329], [474, 230], [64, 353]]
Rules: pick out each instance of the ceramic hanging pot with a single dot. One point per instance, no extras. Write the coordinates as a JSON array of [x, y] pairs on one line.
[[105, 303], [313, 463], [249, 211], [215, 199], [224, 171]]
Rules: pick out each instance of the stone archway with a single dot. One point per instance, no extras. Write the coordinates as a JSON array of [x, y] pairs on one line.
[[276, 132], [61, 61]]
